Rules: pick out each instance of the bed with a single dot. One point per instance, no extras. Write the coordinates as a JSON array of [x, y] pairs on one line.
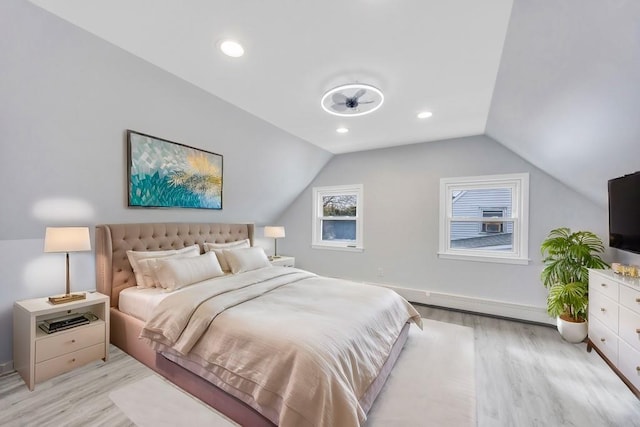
[[243, 306]]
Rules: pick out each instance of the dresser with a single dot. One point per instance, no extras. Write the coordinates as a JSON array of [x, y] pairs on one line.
[[38, 356], [614, 323]]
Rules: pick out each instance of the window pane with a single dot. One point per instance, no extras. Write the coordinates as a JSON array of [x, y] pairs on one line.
[[474, 203], [339, 230], [340, 205], [495, 236]]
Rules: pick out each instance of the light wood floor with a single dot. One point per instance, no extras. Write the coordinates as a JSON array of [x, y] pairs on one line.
[[526, 375]]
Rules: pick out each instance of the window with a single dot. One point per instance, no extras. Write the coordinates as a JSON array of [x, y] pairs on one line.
[[485, 218], [337, 217]]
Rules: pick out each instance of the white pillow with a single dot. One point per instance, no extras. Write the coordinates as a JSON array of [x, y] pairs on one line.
[[175, 273], [246, 259], [218, 248], [142, 268]]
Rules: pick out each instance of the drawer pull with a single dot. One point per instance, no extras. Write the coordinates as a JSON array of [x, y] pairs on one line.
[[604, 285], [73, 341], [73, 360], [602, 339], [638, 331], [603, 309], [638, 300], [638, 368]]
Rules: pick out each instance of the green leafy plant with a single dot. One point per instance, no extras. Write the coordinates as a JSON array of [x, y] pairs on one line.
[[567, 257]]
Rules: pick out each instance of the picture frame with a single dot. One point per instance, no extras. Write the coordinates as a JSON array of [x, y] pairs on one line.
[[167, 174]]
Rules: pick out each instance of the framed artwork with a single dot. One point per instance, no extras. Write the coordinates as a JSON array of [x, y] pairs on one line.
[[166, 174]]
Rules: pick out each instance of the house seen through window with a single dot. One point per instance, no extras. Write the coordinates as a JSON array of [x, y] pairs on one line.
[[338, 217], [484, 218]]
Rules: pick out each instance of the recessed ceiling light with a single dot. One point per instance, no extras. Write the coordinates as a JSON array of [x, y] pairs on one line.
[[342, 130], [424, 114], [232, 48]]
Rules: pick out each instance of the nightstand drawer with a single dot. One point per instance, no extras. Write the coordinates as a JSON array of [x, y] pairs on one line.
[[604, 309], [630, 298], [603, 284], [64, 342], [59, 365]]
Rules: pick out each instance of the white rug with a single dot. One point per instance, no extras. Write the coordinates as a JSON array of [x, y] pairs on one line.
[[432, 384]]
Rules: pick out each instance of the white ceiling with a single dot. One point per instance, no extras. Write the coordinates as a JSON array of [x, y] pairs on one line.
[[441, 56]]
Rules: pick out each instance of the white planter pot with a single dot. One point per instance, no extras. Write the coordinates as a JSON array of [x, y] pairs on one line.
[[571, 331]]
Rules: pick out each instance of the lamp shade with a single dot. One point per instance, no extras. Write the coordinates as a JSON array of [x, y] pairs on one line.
[[67, 239], [275, 232]]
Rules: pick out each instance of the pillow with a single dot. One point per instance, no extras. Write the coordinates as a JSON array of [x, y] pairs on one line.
[[219, 247], [142, 268], [246, 259], [175, 273]]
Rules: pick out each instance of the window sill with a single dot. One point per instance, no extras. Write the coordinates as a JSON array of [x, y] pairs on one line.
[[481, 258], [338, 248]]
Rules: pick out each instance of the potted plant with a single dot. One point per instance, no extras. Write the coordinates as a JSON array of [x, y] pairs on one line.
[[567, 257]]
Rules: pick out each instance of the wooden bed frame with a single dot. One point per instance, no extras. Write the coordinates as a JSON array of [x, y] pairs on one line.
[[114, 274]]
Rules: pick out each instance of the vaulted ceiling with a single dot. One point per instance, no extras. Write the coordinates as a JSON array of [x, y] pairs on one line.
[[556, 82]]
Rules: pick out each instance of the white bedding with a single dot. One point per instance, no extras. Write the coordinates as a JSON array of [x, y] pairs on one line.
[[267, 334], [140, 303]]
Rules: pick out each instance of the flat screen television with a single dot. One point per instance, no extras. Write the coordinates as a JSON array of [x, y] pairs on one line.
[[624, 213]]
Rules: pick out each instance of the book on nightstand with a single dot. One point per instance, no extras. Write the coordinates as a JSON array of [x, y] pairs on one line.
[[65, 322]]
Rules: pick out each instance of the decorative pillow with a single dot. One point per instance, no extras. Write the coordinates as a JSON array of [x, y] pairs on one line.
[[218, 248], [142, 268], [175, 273], [246, 259]]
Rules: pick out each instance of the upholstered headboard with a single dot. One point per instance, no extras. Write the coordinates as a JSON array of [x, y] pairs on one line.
[[113, 271]]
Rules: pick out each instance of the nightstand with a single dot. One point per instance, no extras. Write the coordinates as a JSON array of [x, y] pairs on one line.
[[38, 356], [283, 261]]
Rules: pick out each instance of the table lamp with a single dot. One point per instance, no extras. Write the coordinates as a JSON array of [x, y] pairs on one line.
[[276, 232], [67, 239]]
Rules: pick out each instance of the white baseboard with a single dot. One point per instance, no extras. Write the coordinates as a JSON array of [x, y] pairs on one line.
[[6, 367], [478, 305]]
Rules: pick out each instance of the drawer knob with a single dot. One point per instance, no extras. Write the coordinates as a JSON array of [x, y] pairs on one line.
[[603, 309], [73, 360], [638, 368], [638, 331], [602, 339], [604, 285], [638, 300], [73, 341]]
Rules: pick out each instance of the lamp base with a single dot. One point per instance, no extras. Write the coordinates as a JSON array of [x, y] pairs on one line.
[[61, 299]]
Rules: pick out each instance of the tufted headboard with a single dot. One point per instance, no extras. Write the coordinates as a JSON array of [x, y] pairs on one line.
[[113, 271]]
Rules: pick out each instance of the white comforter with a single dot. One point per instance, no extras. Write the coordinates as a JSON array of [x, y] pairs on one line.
[[302, 346]]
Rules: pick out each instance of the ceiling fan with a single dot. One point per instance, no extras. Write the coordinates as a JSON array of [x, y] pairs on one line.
[[352, 100]]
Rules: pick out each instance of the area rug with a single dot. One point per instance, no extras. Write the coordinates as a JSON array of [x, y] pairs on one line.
[[432, 384]]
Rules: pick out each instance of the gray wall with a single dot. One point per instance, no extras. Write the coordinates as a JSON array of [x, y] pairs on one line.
[[401, 192], [67, 98], [567, 95]]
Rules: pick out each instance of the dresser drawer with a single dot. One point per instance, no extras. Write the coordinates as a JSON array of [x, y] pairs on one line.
[[65, 363], [603, 338], [629, 327], [603, 309], [630, 298], [603, 284], [60, 343], [629, 364]]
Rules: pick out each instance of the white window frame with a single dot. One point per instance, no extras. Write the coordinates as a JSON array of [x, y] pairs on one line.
[[318, 194], [519, 185]]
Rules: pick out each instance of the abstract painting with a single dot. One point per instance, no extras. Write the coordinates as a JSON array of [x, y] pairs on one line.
[[165, 174]]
